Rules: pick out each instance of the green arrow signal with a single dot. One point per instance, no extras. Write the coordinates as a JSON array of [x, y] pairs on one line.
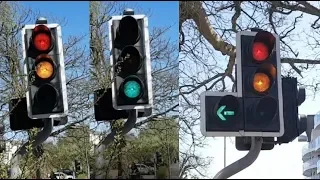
[[226, 113], [219, 113]]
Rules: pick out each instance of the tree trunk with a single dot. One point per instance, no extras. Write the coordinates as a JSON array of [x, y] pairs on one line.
[[120, 171]]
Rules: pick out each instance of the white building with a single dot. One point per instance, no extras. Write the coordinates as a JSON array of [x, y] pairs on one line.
[[94, 139], [11, 148], [311, 152]]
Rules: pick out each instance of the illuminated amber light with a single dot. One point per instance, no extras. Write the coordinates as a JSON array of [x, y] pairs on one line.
[[261, 82], [44, 69]]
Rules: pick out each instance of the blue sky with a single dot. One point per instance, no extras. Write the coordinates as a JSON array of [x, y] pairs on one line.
[[77, 14], [163, 14]]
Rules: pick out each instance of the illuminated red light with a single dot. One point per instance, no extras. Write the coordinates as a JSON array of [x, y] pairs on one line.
[[42, 38], [260, 51], [42, 42]]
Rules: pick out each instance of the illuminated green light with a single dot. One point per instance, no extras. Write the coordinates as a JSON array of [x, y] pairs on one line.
[[132, 89], [225, 113]]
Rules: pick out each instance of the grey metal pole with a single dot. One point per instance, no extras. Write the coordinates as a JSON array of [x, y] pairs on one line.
[[87, 161], [41, 137], [241, 164], [224, 152], [129, 124], [155, 166]]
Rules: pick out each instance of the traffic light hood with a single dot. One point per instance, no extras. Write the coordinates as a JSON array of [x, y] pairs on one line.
[[128, 31], [262, 46], [42, 39]]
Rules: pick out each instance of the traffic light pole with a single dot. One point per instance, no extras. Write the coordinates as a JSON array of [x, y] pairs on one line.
[[242, 163], [41, 137], [99, 151]]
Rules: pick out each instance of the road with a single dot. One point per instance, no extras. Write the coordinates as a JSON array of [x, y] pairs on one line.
[[174, 168]]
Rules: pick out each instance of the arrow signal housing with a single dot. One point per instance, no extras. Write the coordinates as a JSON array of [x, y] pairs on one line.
[[219, 128]]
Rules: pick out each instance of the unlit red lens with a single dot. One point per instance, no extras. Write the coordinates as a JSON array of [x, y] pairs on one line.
[[42, 42], [261, 82], [260, 51], [44, 69]]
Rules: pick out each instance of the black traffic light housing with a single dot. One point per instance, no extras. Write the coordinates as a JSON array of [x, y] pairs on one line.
[[77, 165], [290, 110], [158, 158], [104, 110], [44, 70], [259, 83], [2, 141], [256, 108], [294, 126], [130, 62], [222, 114], [19, 119], [244, 143]]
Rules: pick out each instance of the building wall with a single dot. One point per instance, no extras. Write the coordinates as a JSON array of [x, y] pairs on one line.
[[11, 148], [311, 153]]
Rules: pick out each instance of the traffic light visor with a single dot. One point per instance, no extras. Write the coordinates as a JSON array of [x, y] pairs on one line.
[[44, 67], [263, 46], [42, 40], [264, 78], [129, 30], [261, 82], [130, 60], [226, 108], [266, 109], [132, 88], [47, 96]]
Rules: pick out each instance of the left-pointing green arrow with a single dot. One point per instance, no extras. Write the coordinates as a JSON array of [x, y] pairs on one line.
[[228, 113], [219, 113]]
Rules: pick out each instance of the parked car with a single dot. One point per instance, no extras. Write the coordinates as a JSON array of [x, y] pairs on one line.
[[61, 175], [145, 170]]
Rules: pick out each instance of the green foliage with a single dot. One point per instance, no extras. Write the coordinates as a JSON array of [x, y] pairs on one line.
[[3, 171], [73, 145], [82, 176], [161, 136], [162, 172]]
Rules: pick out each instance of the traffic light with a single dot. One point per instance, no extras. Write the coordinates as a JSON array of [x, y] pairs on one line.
[[130, 62], [19, 119], [256, 108], [2, 141], [44, 71], [158, 158], [310, 126], [77, 165], [259, 83], [293, 125], [221, 114]]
